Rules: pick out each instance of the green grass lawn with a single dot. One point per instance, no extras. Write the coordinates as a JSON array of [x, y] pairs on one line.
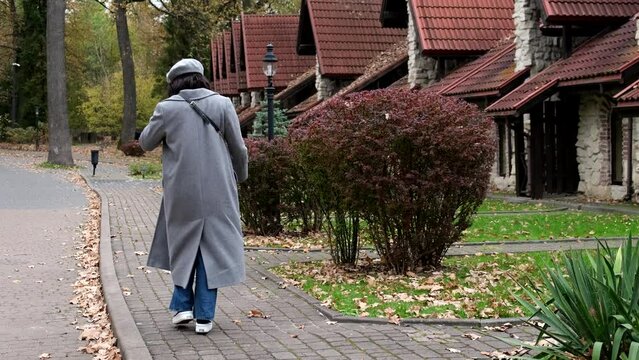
[[494, 205], [561, 225], [467, 287]]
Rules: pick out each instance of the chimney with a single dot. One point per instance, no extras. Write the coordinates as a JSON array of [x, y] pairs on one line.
[[533, 49]]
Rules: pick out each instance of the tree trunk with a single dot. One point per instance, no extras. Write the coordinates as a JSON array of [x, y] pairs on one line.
[[128, 74], [58, 119], [14, 66]]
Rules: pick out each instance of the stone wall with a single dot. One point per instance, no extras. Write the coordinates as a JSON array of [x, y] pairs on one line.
[[422, 70], [245, 99], [256, 98], [532, 48], [593, 149], [325, 87]]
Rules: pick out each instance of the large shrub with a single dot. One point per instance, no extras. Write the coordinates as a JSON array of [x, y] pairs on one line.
[[414, 165], [589, 306]]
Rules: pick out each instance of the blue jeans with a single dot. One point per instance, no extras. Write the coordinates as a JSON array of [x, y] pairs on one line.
[[202, 303]]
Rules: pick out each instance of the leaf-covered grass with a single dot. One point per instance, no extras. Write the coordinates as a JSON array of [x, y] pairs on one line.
[[467, 287], [494, 205], [562, 225]]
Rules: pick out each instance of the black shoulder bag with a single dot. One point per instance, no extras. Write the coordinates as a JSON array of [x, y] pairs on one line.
[[204, 117]]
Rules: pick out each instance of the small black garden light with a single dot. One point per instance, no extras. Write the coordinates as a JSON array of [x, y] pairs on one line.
[[269, 66], [95, 158]]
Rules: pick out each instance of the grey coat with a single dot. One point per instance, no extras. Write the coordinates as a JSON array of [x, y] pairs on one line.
[[200, 207]]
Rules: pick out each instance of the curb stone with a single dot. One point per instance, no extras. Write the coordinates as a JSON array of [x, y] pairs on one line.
[[129, 339], [333, 315]]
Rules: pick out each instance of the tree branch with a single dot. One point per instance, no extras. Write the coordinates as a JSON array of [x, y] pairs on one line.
[[7, 47], [104, 6], [164, 11]]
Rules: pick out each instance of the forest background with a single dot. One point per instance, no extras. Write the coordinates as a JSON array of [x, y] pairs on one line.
[[160, 33]]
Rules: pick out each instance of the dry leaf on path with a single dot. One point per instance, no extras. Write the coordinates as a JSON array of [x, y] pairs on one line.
[[471, 336], [44, 356], [257, 313]]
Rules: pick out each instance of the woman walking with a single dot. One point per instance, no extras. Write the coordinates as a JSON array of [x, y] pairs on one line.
[[198, 236]]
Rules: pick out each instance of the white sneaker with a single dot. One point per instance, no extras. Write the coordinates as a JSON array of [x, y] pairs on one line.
[[183, 317], [203, 328]]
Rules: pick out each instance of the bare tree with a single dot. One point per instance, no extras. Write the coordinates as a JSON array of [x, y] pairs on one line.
[[58, 117]]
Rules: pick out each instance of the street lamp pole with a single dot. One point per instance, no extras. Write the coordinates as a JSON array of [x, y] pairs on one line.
[[14, 92], [269, 66]]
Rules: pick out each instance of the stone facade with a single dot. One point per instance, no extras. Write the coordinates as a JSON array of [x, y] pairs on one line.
[[245, 99], [532, 48], [422, 70], [256, 98], [325, 87], [593, 149]]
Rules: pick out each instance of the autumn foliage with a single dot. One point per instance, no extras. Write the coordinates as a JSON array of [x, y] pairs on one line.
[[412, 164]]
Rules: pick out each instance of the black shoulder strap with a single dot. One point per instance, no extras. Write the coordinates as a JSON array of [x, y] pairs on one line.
[[204, 117]]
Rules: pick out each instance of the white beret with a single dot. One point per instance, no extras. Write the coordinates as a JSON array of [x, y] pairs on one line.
[[184, 66]]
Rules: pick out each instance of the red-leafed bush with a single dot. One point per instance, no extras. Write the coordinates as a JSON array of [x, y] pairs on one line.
[[276, 189], [414, 165], [132, 148], [260, 194]]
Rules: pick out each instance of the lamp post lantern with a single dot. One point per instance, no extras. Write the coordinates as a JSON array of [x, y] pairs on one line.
[[269, 66]]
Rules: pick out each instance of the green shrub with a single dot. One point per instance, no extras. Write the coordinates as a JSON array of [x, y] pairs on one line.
[[592, 310], [21, 135], [5, 122], [146, 169], [280, 121]]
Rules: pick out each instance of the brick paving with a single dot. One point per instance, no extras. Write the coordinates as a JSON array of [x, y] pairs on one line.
[[295, 329], [40, 215]]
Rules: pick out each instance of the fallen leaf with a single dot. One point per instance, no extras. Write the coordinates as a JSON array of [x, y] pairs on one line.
[[471, 336], [453, 350], [256, 313], [44, 356]]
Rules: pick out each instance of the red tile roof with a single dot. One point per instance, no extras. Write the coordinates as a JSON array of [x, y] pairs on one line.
[[628, 97], [448, 27], [231, 69], [236, 34], [305, 105], [603, 59], [346, 34], [566, 11], [214, 68], [248, 115], [381, 65], [281, 31], [222, 85], [492, 74], [295, 85]]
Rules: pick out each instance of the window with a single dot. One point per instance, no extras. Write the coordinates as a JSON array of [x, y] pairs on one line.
[[616, 150]]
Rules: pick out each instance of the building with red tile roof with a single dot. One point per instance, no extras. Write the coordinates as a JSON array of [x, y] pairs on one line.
[[587, 11], [281, 31], [628, 98], [606, 59], [231, 68], [344, 34], [385, 69], [487, 78], [461, 26], [238, 55]]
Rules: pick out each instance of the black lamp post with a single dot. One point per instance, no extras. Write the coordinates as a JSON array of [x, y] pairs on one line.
[[95, 159], [269, 66]]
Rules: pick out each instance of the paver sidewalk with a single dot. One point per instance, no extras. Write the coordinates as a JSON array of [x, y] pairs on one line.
[[294, 329], [39, 217]]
